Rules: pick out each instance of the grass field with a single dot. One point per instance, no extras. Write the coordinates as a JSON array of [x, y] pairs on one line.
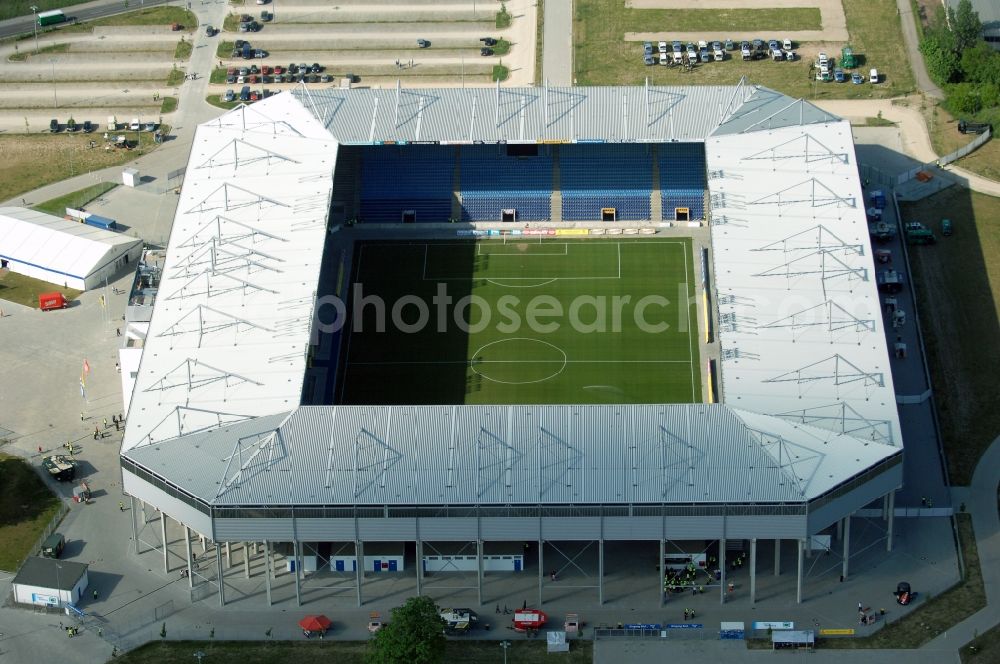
[[603, 57], [344, 652], [957, 282], [26, 507], [551, 322], [75, 200], [946, 138], [25, 290], [35, 160]]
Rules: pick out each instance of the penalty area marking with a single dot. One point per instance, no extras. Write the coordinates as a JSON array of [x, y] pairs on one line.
[[562, 362]]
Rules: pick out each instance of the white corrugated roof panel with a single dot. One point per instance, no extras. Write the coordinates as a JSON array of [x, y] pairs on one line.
[[800, 318]]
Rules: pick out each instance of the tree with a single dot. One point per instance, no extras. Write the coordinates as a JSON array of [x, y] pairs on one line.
[[939, 54], [966, 26], [413, 635]]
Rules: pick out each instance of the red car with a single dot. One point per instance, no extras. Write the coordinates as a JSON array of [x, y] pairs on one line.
[[265, 70], [254, 95], [279, 70]]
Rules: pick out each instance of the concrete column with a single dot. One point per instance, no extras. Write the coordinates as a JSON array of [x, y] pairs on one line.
[[663, 573], [753, 570], [479, 565], [135, 531], [246, 559], [798, 580], [267, 570], [359, 559], [297, 553], [892, 519], [187, 550], [204, 546], [777, 557], [600, 572], [222, 580], [229, 556], [163, 539], [420, 567], [840, 528], [847, 547], [885, 507], [541, 565], [722, 570]]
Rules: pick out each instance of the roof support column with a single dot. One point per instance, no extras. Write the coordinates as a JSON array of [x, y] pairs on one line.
[[204, 546], [753, 570], [229, 556], [722, 571], [420, 566], [600, 572], [135, 531], [801, 544], [359, 566], [662, 573], [267, 570], [297, 564], [541, 564], [479, 566], [163, 540], [187, 550], [847, 547], [840, 528], [777, 557], [892, 517], [246, 560], [218, 569]]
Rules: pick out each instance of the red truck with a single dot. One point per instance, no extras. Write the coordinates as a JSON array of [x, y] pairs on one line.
[[47, 301]]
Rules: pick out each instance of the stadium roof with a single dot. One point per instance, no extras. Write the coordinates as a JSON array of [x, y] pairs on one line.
[[613, 114], [230, 332], [800, 317], [477, 455], [61, 247]]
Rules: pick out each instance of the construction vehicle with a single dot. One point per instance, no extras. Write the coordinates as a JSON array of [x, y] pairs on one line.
[[459, 621], [967, 127], [882, 231], [917, 233], [847, 59], [375, 622], [60, 468]]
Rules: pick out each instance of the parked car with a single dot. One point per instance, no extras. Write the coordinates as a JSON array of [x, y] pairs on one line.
[[245, 93], [857, 79], [53, 126], [717, 51], [745, 50], [490, 41], [325, 78], [260, 53], [149, 126], [729, 45], [647, 48], [822, 58], [229, 95], [873, 76], [279, 70], [88, 126], [266, 16], [662, 47], [209, 31], [303, 68], [485, 51], [423, 43], [316, 68], [238, 43], [787, 44], [134, 124], [262, 2], [838, 75], [243, 71], [692, 55]]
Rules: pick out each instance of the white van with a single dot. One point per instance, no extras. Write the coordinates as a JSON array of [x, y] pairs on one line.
[[134, 125], [873, 75]]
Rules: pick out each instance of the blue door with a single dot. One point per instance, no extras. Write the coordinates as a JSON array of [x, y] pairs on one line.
[[393, 567], [517, 564], [340, 565], [354, 565], [378, 566]]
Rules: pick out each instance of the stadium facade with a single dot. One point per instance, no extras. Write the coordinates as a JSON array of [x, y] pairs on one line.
[[804, 431]]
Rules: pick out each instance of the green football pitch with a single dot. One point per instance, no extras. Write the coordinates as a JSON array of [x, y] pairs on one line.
[[521, 321]]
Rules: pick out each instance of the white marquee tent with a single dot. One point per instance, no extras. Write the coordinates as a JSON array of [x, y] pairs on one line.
[[62, 252]]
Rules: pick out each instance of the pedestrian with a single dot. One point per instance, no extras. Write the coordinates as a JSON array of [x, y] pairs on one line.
[[40, 451], [732, 587], [96, 434], [923, 499], [120, 418], [685, 615], [411, 63], [95, 593], [881, 612], [100, 632], [553, 575], [860, 607], [81, 416], [525, 605], [498, 608], [121, 506], [930, 503], [118, 331], [118, 425], [105, 423]]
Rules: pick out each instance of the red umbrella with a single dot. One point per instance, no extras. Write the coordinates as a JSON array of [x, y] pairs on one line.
[[318, 623]]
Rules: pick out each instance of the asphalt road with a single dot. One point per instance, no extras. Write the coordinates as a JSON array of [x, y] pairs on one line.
[[87, 12]]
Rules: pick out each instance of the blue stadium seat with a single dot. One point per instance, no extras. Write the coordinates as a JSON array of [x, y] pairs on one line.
[[593, 177], [493, 181], [682, 178], [414, 177]]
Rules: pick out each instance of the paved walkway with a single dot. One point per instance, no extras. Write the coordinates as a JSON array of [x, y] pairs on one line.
[[557, 46], [908, 22]]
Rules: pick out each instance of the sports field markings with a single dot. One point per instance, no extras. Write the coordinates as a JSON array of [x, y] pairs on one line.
[[687, 289], [479, 250], [497, 282], [424, 277], [395, 362]]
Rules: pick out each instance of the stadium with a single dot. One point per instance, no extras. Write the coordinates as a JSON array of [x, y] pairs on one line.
[[482, 318]]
